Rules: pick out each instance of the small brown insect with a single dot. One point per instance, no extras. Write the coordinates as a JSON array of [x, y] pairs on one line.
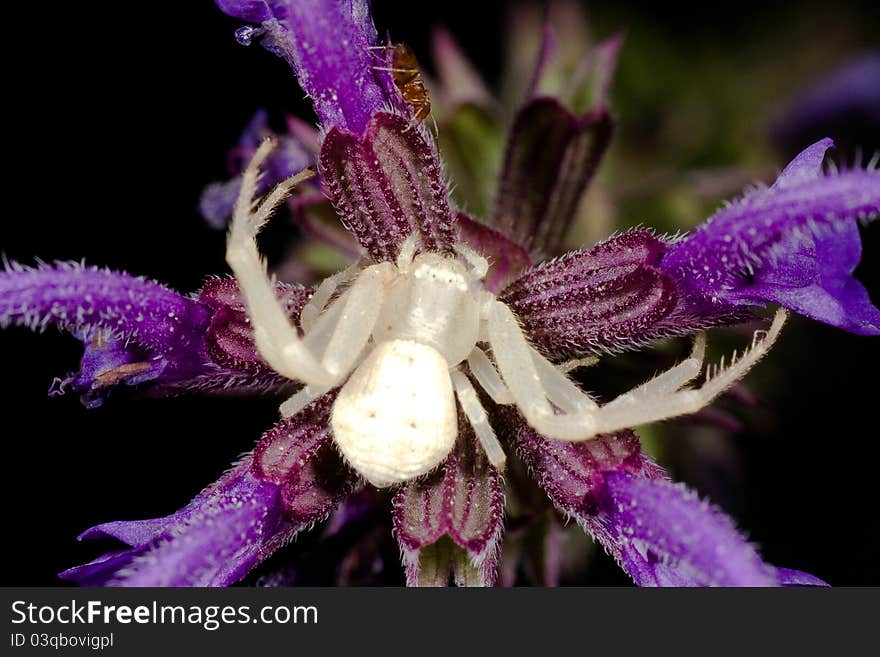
[[407, 78]]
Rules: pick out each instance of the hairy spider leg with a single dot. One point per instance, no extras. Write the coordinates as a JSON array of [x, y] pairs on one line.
[[300, 399], [276, 339], [478, 263], [325, 291], [476, 415], [488, 378], [649, 405], [534, 383], [328, 331], [577, 363]]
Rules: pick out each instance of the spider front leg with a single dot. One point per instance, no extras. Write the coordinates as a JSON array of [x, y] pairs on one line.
[[488, 378], [670, 380], [656, 400], [278, 341], [338, 336], [534, 383]]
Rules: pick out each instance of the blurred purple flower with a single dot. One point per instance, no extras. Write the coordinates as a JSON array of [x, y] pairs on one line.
[[291, 155], [844, 103]]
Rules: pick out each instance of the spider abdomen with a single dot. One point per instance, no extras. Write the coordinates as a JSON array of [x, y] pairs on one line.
[[395, 418]]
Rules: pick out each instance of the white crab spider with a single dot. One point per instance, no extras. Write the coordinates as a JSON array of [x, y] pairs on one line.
[[395, 339]]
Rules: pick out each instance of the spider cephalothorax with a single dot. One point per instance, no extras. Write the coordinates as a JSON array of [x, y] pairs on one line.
[[394, 339]]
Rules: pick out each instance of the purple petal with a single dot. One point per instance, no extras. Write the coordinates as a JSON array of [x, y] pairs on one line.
[[327, 42], [294, 479], [660, 533], [217, 200], [664, 535], [795, 243], [506, 258], [81, 299], [463, 501], [134, 330], [814, 280], [551, 157], [387, 185], [253, 11], [298, 455], [107, 362], [805, 167], [137, 331], [213, 541], [788, 577]]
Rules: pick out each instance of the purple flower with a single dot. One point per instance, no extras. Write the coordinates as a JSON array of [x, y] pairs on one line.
[[213, 541], [327, 43], [795, 243], [216, 539], [452, 338], [140, 333]]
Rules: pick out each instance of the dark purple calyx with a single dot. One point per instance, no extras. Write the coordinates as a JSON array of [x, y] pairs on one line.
[[603, 299], [573, 474], [463, 502], [507, 259], [388, 185], [551, 158], [298, 455], [230, 336]]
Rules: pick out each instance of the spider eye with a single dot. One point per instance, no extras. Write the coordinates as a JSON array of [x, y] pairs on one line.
[[447, 271]]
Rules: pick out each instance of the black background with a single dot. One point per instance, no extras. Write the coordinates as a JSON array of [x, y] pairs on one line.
[[115, 120]]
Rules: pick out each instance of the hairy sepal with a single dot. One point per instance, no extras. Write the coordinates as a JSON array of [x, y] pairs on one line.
[[462, 501], [388, 185], [551, 158], [298, 455]]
